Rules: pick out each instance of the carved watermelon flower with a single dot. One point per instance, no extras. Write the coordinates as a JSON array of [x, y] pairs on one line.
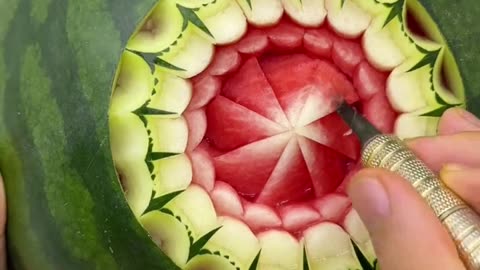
[[242, 140]]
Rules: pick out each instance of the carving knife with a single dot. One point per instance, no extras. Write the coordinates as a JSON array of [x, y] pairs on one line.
[[391, 153]]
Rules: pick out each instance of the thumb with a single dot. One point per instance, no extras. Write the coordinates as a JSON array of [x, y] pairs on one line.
[[404, 230]]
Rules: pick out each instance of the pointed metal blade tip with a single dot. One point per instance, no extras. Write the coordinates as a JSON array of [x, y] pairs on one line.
[[359, 124]]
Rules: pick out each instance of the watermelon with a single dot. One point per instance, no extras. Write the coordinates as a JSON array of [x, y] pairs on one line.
[[183, 134]]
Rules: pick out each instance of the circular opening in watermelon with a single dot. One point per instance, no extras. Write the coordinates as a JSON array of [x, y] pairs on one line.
[[225, 132], [272, 129]]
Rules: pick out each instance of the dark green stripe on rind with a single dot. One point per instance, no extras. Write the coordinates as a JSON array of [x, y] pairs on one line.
[[126, 12], [55, 111], [80, 23], [7, 149], [32, 216], [459, 24], [39, 11], [63, 192]]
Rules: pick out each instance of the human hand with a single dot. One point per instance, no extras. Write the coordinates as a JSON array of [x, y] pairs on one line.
[[405, 233]]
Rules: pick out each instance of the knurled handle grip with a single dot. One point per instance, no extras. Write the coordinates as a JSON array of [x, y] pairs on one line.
[[462, 222]]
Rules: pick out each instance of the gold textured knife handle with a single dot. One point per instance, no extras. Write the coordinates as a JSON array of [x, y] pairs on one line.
[[462, 222]]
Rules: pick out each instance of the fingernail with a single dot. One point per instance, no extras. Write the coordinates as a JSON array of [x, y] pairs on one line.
[[469, 117], [369, 198], [449, 170], [453, 167]]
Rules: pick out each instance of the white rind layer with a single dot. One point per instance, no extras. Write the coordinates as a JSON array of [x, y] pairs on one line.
[[169, 234], [308, 13], [349, 20], [262, 13], [337, 254], [280, 251]]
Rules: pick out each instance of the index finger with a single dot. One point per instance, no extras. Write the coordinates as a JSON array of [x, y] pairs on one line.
[[457, 120], [461, 148]]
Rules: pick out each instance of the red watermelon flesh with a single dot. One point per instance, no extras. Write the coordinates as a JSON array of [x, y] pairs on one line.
[[250, 88], [290, 180], [327, 168], [328, 89], [347, 54], [307, 88], [334, 133], [319, 42], [338, 84], [368, 81], [380, 113], [205, 88], [332, 207], [226, 200], [212, 151], [281, 154], [290, 76], [197, 126], [247, 168], [296, 217], [227, 59], [203, 170], [286, 35], [231, 125], [353, 169], [260, 217], [255, 42]]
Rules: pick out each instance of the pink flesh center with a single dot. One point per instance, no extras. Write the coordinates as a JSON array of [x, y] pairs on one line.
[[274, 152]]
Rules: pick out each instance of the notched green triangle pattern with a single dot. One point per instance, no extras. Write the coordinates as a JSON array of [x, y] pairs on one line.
[[396, 11], [430, 59], [189, 17], [159, 202]]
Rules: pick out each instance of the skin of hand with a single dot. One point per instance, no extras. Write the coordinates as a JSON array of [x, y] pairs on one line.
[[405, 232]]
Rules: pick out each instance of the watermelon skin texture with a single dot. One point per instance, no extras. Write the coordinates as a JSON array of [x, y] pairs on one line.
[[459, 25], [65, 207], [57, 62]]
